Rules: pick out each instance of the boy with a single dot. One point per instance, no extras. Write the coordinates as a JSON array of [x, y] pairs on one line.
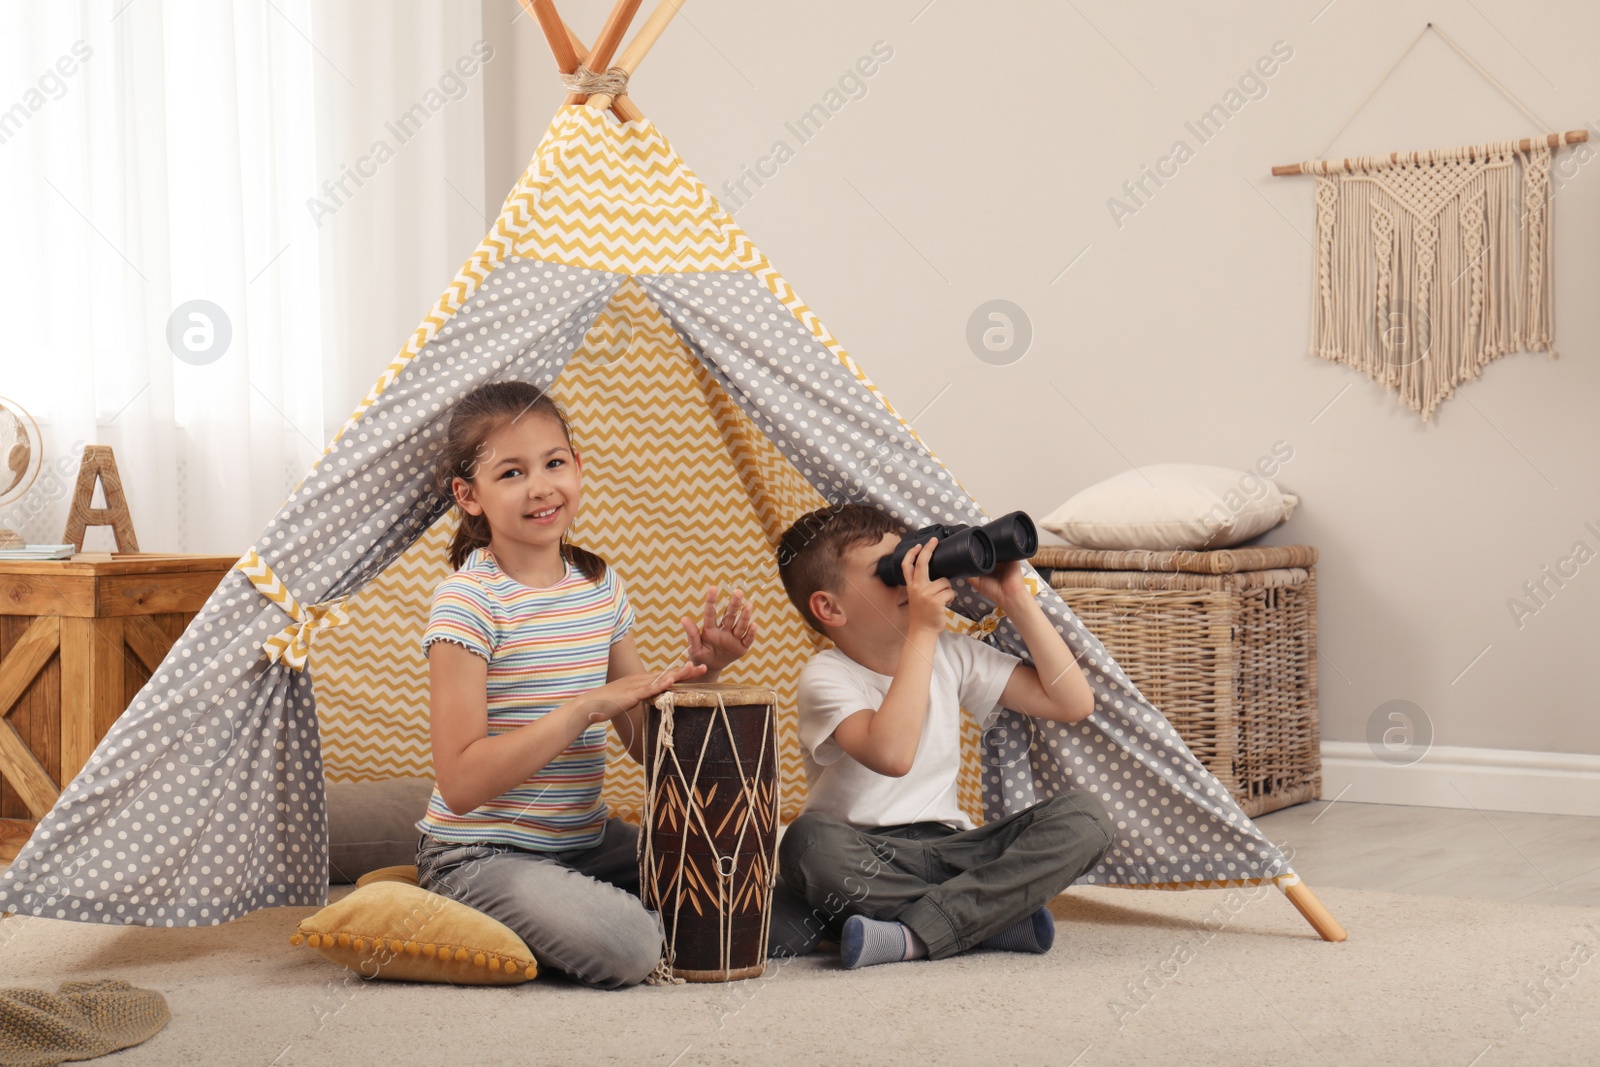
[[882, 842]]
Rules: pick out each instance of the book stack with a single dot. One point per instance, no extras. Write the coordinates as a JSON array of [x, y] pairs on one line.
[[38, 552]]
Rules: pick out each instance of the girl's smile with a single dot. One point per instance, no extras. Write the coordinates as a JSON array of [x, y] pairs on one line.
[[527, 484]]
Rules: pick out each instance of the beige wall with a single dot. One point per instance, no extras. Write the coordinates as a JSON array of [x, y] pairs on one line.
[[978, 165]]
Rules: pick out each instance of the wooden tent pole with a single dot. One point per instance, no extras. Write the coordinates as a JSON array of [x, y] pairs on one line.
[[605, 45], [555, 32], [578, 47], [623, 106], [1554, 140], [1307, 904], [648, 34], [570, 52]]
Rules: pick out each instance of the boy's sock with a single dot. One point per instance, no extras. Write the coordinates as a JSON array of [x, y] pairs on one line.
[[1033, 934], [865, 942]]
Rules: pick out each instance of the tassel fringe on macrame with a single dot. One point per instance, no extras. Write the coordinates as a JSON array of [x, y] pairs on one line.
[[1432, 264]]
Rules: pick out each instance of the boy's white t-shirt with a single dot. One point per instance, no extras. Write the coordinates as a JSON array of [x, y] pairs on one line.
[[966, 674]]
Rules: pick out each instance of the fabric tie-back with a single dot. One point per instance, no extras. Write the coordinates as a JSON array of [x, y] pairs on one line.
[[1432, 264]]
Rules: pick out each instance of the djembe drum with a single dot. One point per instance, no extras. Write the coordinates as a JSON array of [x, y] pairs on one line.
[[708, 842]]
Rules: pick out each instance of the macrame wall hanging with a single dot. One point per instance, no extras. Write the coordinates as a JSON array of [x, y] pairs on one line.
[[1430, 264]]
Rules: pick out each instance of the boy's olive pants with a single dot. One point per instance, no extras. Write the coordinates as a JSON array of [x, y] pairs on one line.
[[953, 888]]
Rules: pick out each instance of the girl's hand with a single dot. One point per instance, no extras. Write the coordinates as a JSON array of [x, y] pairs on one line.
[[1003, 586], [717, 643], [615, 699]]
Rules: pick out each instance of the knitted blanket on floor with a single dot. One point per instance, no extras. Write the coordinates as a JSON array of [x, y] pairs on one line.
[[83, 1020]]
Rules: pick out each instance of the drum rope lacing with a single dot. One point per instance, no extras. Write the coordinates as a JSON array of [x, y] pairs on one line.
[[727, 864]]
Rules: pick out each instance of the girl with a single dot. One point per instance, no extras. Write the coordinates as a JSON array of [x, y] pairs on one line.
[[530, 654]]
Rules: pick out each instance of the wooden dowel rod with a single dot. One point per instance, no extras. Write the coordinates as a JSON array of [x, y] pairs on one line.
[[577, 44], [1321, 920], [605, 46], [569, 50], [623, 106], [1553, 140], [647, 36], [555, 33]]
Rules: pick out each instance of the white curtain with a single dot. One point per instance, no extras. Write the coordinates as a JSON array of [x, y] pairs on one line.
[[312, 172]]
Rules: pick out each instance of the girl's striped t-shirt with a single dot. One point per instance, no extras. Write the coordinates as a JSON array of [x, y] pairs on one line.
[[543, 647]]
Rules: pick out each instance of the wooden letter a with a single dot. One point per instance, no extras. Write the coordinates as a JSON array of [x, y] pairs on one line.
[[98, 462]]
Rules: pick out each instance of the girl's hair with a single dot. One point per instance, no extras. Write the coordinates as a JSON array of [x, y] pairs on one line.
[[474, 417]]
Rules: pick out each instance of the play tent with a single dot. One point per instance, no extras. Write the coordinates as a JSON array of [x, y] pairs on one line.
[[713, 408]]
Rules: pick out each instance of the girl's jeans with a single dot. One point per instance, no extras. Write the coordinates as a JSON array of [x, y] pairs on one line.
[[577, 911]]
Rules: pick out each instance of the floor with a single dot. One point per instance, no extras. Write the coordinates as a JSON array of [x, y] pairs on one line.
[[1452, 852]]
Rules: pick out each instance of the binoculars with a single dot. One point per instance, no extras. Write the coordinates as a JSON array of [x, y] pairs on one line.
[[965, 551]]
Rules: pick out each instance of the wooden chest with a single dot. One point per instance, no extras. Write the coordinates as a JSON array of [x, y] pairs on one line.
[[78, 640]]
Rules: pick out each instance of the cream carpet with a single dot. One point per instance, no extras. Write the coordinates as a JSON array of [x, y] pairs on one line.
[[1209, 977]]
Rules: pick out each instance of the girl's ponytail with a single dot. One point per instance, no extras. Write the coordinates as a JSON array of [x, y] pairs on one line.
[[592, 566], [473, 533]]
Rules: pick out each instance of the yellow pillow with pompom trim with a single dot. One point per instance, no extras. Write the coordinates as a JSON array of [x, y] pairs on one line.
[[389, 927], [389, 874]]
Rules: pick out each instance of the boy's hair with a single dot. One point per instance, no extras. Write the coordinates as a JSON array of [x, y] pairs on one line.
[[811, 551]]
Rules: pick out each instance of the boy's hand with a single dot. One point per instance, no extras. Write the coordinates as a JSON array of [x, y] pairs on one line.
[[1003, 586], [926, 598], [717, 643]]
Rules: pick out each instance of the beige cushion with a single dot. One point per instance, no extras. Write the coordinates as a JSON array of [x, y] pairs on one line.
[[1168, 506], [373, 825]]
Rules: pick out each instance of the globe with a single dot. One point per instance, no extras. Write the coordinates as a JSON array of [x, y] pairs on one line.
[[20, 451]]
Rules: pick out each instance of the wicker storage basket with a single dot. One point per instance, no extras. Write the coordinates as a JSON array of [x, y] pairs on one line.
[[1223, 644]]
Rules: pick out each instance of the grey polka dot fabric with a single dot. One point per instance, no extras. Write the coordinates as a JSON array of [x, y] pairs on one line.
[[1177, 822], [205, 801]]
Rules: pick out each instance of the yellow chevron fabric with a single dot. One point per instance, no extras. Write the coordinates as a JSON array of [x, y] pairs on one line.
[[681, 489], [614, 198], [600, 196], [664, 503], [370, 679], [679, 492]]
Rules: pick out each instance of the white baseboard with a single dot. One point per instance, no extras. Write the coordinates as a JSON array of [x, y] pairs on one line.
[[1493, 779]]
